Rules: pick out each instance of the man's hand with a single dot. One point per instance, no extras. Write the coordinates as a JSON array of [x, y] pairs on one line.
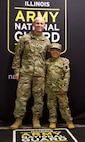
[[67, 61], [62, 92]]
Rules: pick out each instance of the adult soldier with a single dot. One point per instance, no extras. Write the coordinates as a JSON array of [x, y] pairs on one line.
[[29, 70], [57, 82]]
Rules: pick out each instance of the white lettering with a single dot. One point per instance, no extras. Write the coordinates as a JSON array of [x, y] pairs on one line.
[[18, 35], [37, 4], [23, 26]]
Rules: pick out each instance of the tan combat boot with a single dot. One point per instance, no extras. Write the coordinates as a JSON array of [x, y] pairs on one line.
[[52, 125], [70, 125], [16, 124], [36, 122]]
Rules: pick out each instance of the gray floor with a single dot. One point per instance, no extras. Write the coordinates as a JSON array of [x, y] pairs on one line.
[[45, 126]]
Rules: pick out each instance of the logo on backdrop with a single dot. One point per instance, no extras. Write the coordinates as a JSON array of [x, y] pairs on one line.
[[43, 135], [21, 14]]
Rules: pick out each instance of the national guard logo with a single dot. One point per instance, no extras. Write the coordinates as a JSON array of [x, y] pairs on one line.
[[21, 14], [43, 135]]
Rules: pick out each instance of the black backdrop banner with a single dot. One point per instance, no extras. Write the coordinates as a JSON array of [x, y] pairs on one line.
[[65, 22], [20, 16]]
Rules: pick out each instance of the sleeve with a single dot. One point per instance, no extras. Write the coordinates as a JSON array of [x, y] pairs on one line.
[[66, 77], [48, 50], [18, 56]]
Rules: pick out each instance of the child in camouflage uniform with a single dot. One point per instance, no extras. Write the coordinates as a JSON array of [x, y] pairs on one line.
[[57, 82]]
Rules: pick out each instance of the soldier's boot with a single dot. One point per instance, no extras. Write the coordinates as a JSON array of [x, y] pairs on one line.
[[36, 122], [16, 124], [70, 125], [52, 125]]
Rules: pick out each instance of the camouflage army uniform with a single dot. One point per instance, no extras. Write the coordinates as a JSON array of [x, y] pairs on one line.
[[58, 75], [29, 61]]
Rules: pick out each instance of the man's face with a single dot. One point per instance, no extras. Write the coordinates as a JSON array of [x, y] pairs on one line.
[[39, 25], [55, 52]]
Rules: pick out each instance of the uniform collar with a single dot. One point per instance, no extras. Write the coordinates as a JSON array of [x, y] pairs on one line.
[[54, 59], [37, 37]]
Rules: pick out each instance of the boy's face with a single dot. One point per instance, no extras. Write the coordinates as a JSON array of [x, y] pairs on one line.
[[55, 52]]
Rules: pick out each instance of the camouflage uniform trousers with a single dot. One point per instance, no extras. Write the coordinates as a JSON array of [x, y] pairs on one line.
[[52, 98], [26, 87]]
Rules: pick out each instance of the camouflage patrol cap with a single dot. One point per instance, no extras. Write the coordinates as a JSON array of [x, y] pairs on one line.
[[56, 45]]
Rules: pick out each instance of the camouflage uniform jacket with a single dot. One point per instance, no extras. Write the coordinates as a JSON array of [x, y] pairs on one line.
[[58, 74], [30, 54]]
